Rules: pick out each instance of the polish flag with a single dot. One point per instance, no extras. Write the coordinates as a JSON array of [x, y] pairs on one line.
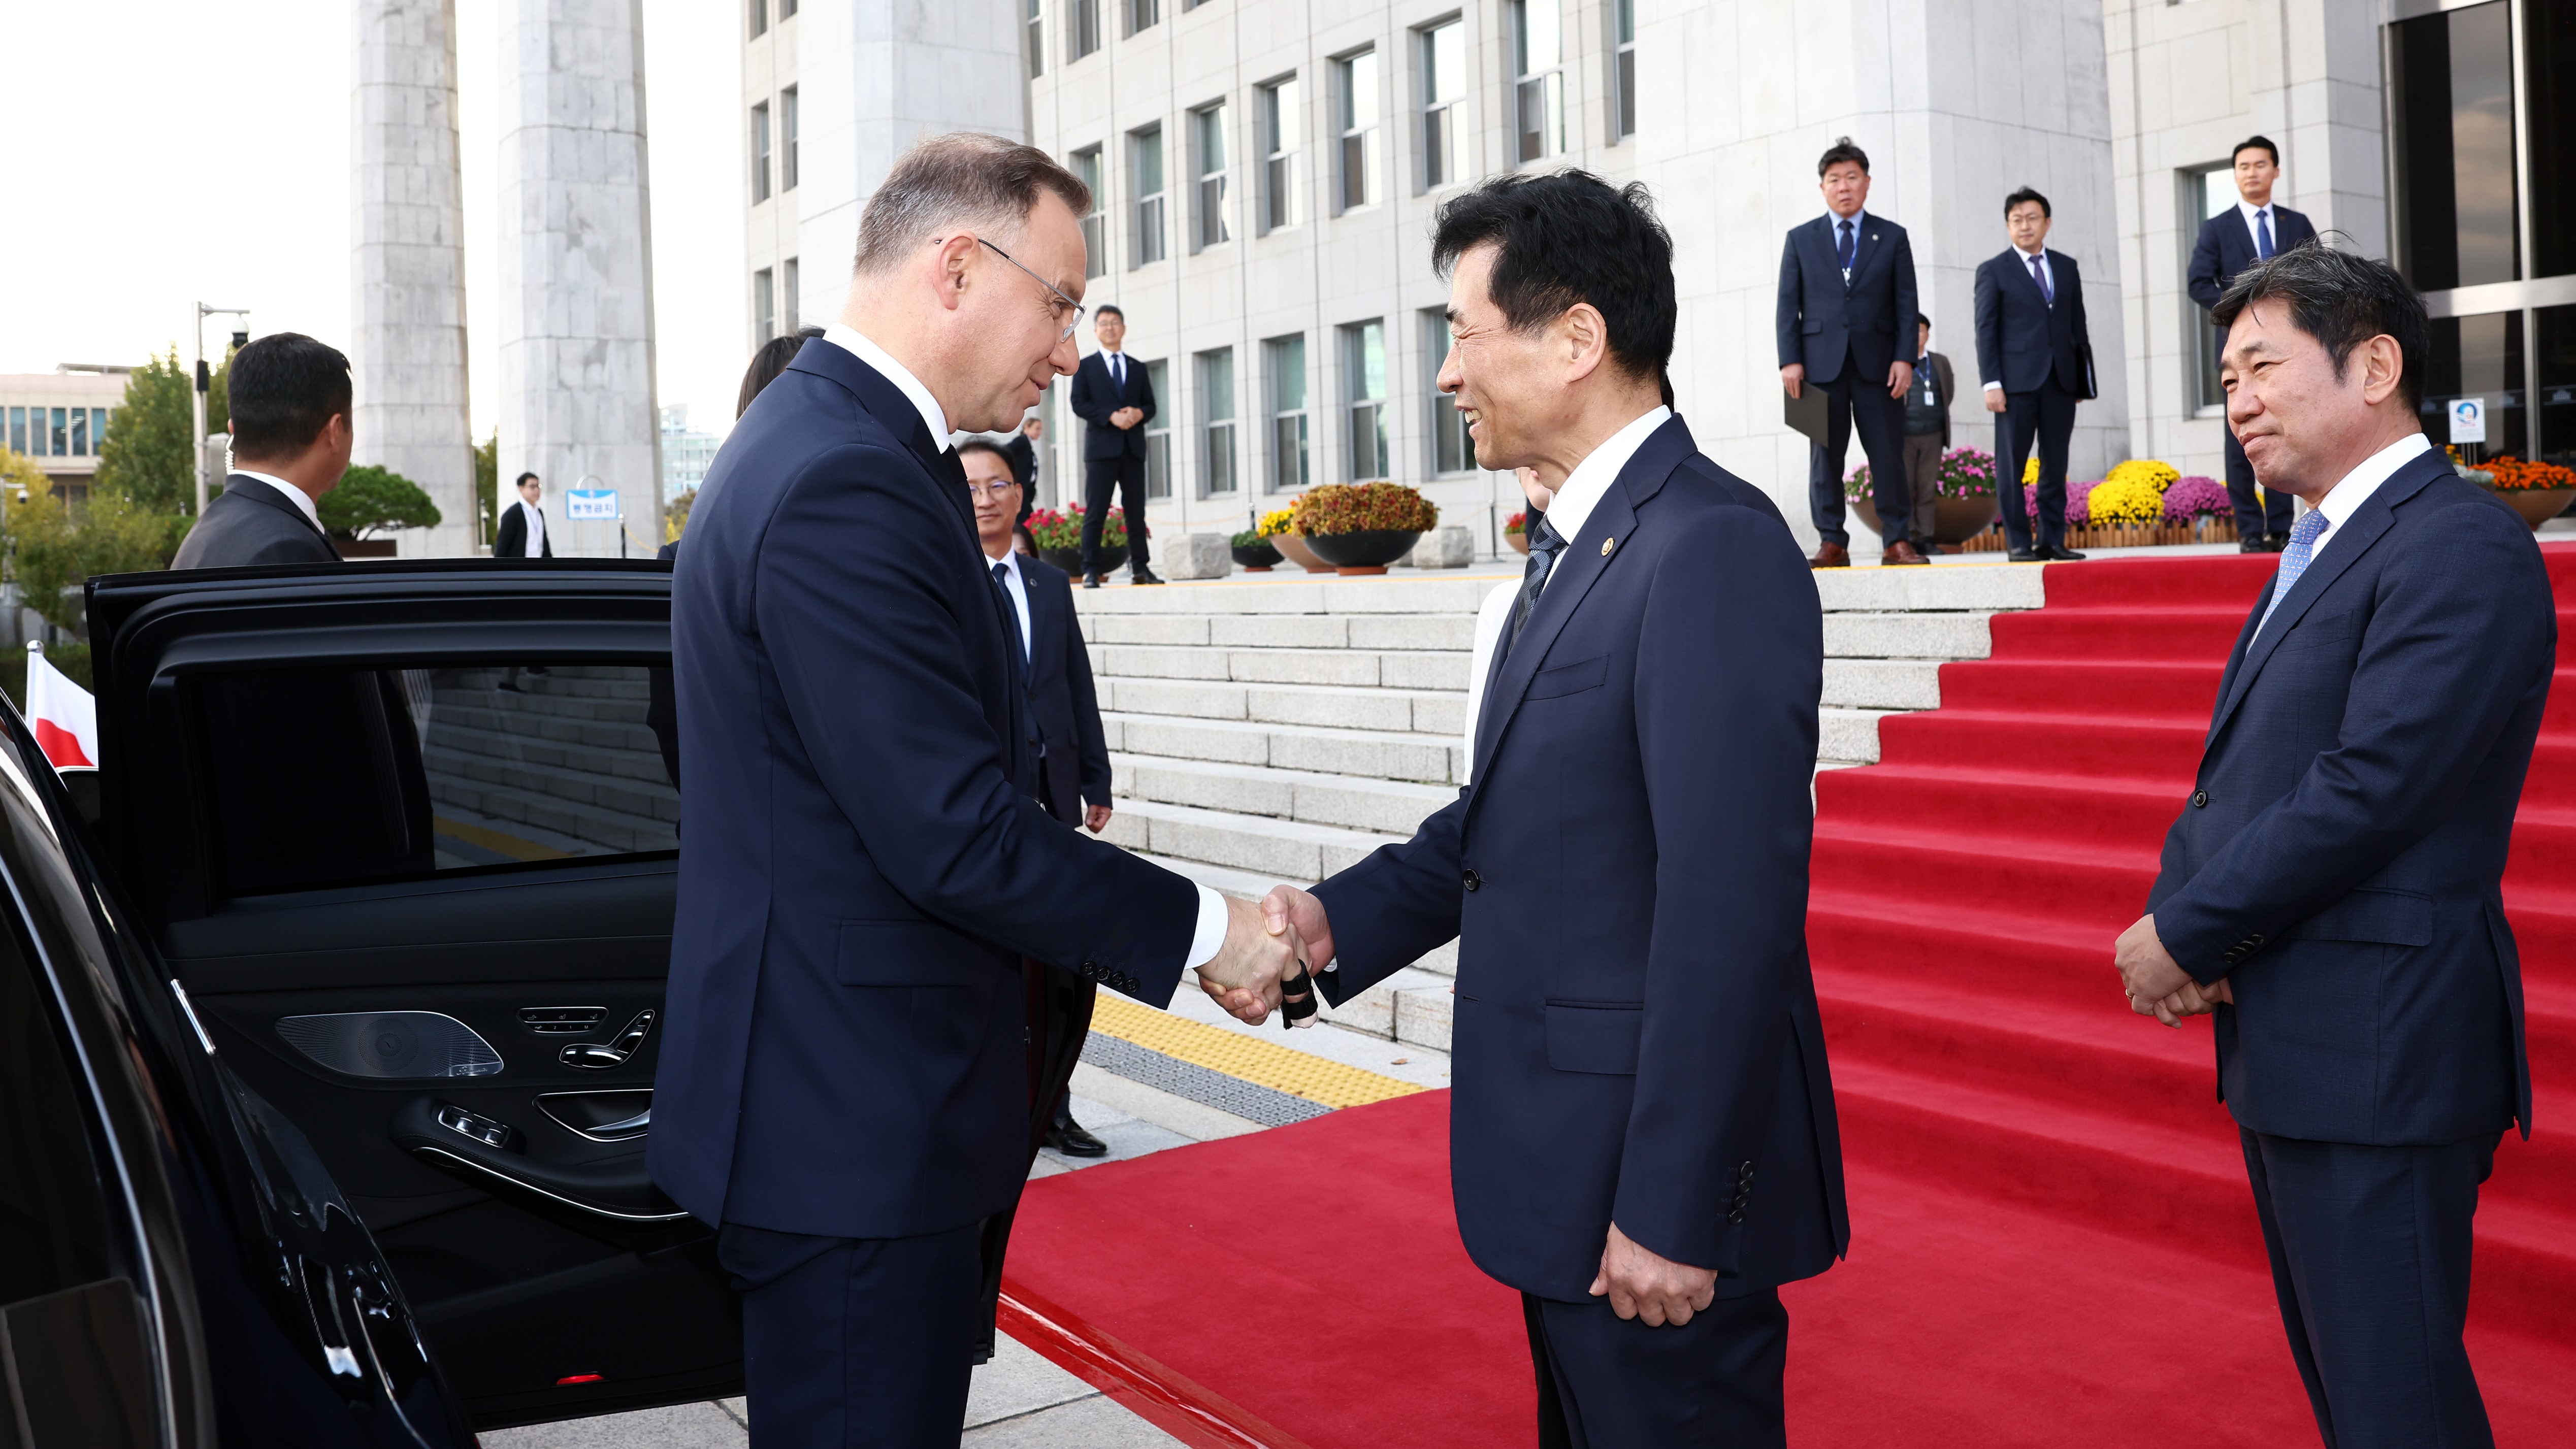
[[65, 717]]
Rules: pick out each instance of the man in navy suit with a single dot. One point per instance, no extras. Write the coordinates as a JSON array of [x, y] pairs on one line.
[[1847, 307], [2332, 887], [844, 1086], [2253, 230], [1114, 396], [2034, 355], [1642, 1133]]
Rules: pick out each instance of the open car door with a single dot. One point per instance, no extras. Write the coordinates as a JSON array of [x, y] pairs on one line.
[[406, 835]]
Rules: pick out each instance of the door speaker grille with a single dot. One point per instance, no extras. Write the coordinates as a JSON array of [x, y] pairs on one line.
[[392, 1045]]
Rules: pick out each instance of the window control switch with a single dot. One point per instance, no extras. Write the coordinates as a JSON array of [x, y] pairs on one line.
[[500, 1136]]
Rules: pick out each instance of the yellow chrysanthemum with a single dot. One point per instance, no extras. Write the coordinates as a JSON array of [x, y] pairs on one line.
[[1275, 522], [2131, 499], [2155, 473], [2030, 471]]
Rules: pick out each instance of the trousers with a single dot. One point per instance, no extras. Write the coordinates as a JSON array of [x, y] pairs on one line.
[[856, 1343], [1854, 404], [1125, 477], [1609, 1383], [2045, 414], [2255, 515]]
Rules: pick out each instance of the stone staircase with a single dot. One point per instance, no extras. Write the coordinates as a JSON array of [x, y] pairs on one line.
[[1280, 729], [558, 763]]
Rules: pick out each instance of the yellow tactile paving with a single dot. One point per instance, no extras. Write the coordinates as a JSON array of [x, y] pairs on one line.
[[1282, 1069], [509, 845]]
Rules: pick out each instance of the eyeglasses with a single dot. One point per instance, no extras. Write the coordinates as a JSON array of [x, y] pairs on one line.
[[1061, 300], [982, 491]]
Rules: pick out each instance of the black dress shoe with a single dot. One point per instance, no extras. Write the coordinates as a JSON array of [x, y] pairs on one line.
[[1091, 581], [1072, 1141], [2021, 555], [2059, 553], [2256, 544], [1142, 576]]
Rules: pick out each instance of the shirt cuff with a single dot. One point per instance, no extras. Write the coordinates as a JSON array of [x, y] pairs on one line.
[[1210, 936], [1994, 387]]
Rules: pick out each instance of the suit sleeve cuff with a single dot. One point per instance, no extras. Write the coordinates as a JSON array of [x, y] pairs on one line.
[[1210, 936], [1994, 387]]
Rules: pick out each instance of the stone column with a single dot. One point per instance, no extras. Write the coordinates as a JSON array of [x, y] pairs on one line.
[[577, 398], [407, 342], [1957, 103]]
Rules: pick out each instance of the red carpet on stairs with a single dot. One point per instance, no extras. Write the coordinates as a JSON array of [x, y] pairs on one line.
[[2052, 1236]]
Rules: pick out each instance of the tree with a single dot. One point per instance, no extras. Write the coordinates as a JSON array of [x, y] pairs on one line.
[[487, 483], [370, 498], [54, 546], [675, 516], [150, 455]]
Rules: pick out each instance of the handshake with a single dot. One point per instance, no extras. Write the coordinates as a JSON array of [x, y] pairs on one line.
[[1262, 967]]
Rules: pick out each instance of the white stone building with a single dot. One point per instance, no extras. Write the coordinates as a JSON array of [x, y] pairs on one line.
[[687, 452], [1267, 171]]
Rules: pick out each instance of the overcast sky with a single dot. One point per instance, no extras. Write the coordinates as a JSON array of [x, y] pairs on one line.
[[167, 153]]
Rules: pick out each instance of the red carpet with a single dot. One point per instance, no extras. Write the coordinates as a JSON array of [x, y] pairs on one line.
[[2052, 1237]]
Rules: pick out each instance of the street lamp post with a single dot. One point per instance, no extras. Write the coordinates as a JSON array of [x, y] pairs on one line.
[[197, 439]]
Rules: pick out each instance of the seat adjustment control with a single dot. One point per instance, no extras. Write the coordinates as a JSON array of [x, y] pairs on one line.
[[599, 1057], [561, 1020]]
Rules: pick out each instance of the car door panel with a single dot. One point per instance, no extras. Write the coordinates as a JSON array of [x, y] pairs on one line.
[[497, 934]]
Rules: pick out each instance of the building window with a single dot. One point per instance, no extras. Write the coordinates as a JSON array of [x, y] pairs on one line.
[[786, 8], [764, 306], [2206, 193], [2451, 95], [1623, 67], [1142, 14], [1082, 30], [1095, 225], [1538, 92], [1452, 451], [1037, 38], [1364, 394], [1359, 112], [80, 432], [1145, 166], [98, 430], [760, 152], [62, 434], [795, 312], [787, 139], [1216, 421], [1283, 360], [1207, 139], [1158, 438], [18, 432], [1282, 123], [759, 17], [1444, 85]]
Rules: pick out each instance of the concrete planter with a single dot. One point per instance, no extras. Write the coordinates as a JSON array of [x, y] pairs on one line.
[[1293, 548]]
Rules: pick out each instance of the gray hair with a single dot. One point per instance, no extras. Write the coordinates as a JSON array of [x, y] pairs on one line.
[[965, 178], [2342, 301]]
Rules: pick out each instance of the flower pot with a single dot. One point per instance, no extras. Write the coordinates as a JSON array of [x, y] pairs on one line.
[[1113, 556], [1255, 557], [1954, 520], [1293, 548], [353, 548], [2538, 505], [1519, 541], [1363, 552]]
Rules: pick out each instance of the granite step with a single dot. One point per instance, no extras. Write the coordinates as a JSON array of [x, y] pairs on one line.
[[1375, 754], [1387, 807], [1410, 711]]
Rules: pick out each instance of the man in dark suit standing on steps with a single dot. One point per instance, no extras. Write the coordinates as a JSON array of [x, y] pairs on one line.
[[1847, 309], [289, 405], [2332, 888], [1114, 395], [844, 1086], [1643, 1138], [2254, 230], [2034, 357]]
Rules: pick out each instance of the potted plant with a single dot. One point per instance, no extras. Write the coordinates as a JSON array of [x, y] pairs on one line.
[[2536, 490], [1059, 538], [1253, 553], [1964, 500], [1279, 526], [1516, 530], [1360, 528]]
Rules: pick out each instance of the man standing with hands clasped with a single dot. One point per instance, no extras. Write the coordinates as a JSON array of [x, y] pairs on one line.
[[1114, 395], [2332, 888], [1642, 1134], [844, 1088]]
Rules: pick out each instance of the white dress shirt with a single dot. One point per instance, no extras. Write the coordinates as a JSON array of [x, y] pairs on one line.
[[2345, 498], [302, 500], [536, 521], [1115, 359], [2051, 289], [2251, 212], [1209, 937], [1017, 588], [1834, 239]]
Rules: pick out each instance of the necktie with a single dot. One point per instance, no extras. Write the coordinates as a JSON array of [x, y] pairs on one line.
[[1847, 250], [1010, 611], [1545, 544], [2039, 274], [2294, 560], [1118, 366], [2263, 233]]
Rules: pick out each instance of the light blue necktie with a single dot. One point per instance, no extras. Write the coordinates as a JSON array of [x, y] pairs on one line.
[[2263, 233], [2294, 561]]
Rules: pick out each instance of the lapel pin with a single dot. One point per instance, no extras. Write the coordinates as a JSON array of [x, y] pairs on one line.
[[1606, 545]]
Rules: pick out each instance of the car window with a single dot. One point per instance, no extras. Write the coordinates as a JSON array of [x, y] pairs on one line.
[[325, 777], [53, 1216]]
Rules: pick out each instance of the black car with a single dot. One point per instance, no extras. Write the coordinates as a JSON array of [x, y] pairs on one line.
[[328, 1031]]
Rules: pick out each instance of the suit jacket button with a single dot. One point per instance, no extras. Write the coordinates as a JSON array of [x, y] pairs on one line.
[[1735, 1218], [2199, 799], [1472, 880]]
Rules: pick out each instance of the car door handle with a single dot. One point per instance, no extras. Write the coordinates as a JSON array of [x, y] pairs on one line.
[[599, 1057]]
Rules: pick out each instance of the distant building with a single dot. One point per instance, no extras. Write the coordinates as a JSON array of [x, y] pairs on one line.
[[59, 419], [686, 455]]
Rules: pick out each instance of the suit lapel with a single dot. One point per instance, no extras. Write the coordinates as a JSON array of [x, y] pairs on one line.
[[2344, 548], [1577, 569]]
